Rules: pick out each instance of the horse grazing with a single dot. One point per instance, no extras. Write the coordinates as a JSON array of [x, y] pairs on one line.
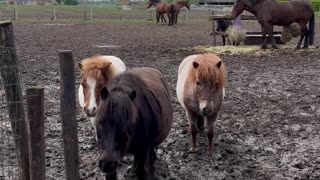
[[200, 91], [96, 71], [222, 26], [178, 5], [161, 9], [134, 116], [271, 12]]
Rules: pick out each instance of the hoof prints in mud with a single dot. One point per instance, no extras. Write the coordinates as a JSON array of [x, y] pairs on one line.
[[268, 127]]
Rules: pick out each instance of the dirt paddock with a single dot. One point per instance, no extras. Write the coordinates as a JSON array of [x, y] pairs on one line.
[[269, 126]]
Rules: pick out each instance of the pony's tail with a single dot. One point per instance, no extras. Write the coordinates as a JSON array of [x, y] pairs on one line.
[[311, 30], [172, 13]]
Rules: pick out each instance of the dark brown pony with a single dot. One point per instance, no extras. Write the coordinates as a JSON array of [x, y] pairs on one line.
[[134, 116], [161, 9], [222, 26], [271, 12], [178, 5]]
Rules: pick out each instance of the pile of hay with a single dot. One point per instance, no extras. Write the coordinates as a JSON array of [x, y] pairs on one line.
[[285, 35], [293, 30], [236, 35]]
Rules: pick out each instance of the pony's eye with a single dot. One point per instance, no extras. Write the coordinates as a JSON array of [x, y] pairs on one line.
[[198, 83]]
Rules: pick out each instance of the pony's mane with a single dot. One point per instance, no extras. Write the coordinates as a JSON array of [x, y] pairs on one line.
[[118, 108], [207, 71], [92, 66]]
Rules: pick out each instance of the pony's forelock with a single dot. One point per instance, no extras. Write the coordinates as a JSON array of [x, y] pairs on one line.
[[92, 67], [117, 109], [208, 71]]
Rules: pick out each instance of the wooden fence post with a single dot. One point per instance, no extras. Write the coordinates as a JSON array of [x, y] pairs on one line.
[[213, 30], [10, 75], [54, 13], [68, 115], [35, 115], [15, 16]]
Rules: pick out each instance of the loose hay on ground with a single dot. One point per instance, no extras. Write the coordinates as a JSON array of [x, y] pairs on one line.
[[232, 50]]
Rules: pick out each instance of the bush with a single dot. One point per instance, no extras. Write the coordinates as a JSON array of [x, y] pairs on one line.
[[71, 2]]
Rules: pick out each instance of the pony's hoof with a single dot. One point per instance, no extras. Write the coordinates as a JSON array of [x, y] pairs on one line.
[[297, 47], [275, 47], [305, 47], [193, 150], [263, 46]]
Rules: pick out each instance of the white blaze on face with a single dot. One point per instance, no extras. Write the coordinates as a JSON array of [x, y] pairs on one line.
[[203, 104], [91, 84], [81, 96]]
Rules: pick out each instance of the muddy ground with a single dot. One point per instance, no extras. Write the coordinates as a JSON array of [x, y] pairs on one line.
[[268, 128]]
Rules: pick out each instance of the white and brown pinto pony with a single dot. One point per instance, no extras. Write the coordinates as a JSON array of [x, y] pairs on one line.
[[96, 71], [200, 91]]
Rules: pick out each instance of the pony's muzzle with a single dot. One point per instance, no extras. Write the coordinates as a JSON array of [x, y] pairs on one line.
[[205, 107], [107, 166], [90, 113]]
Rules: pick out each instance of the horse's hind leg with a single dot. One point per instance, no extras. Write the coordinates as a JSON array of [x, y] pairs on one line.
[[223, 40], [158, 17], [306, 39], [303, 28]]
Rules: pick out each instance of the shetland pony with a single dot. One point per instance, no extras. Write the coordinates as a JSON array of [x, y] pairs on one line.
[[134, 116], [200, 91], [271, 12], [96, 71]]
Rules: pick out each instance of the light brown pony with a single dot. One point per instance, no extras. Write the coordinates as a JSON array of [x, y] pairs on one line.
[[96, 71], [178, 5], [161, 9], [200, 91]]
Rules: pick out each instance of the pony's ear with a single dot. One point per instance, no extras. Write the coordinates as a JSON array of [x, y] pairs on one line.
[[104, 69], [195, 64], [219, 64], [132, 95], [80, 66], [104, 93]]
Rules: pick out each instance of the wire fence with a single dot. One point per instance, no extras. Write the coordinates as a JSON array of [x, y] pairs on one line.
[[10, 136], [137, 12]]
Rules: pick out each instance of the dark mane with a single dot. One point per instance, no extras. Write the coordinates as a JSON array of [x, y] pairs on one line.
[[118, 104], [118, 108]]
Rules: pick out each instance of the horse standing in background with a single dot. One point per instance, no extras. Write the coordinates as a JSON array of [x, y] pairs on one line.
[[200, 91], [178, 5], [161, 9], [271, 12], [222, 26]]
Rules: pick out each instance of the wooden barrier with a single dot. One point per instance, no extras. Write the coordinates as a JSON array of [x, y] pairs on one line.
[[253, 38], [68, 115], [214, 18], [10, 75], [35, 115]]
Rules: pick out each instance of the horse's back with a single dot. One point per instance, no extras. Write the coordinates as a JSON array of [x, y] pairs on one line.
[[158, 97], [183, 71]]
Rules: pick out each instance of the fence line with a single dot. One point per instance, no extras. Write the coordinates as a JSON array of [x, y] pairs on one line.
[[87, 12]]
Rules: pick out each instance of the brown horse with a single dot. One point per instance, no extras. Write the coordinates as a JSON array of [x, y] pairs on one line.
[[200, 91], [271, 12], [96, 71], [134, 116], [178, 5], [161, 9]]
